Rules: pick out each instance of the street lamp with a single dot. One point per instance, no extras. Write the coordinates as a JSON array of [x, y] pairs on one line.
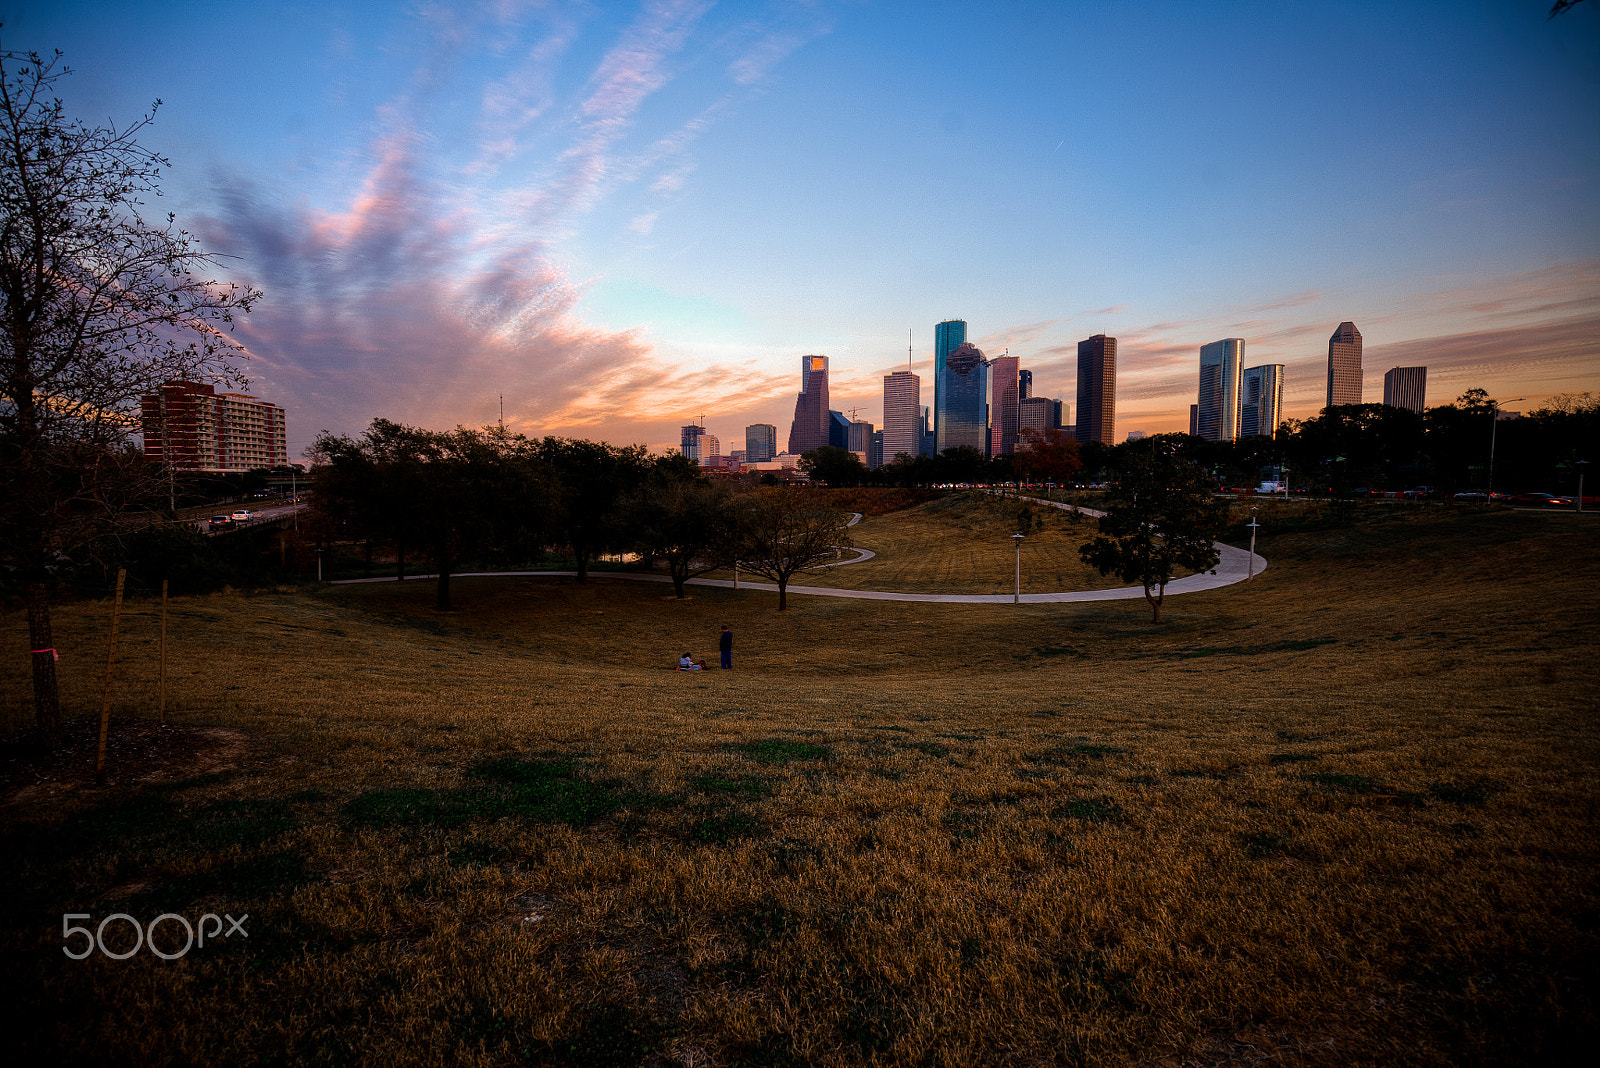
[[1494, 425], [1016, 596], [1581, 464], [1250, 573]]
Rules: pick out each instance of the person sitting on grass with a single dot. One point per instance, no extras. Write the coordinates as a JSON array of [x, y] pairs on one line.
[[689, 663]]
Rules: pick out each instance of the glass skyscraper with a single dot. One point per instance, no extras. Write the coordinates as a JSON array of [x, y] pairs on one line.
[[1097, 389], [947, 337], [1217, 415], [1344, 366], [1261, 409], [963, 417], [811, 420]]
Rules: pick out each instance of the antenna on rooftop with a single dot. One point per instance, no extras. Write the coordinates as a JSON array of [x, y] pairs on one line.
[[502, 412], [909, 365]]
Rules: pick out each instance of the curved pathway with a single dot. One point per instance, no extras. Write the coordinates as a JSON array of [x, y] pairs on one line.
[[1235, 566]]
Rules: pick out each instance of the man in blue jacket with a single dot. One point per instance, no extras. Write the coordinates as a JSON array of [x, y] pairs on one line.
[[726, 645]]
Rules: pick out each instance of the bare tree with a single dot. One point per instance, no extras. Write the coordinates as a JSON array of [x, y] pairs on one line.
[[784, 531], [97, 307]]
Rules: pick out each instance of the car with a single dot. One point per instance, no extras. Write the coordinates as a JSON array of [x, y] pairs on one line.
[[220, 520], [1543, 499], [240, 515]]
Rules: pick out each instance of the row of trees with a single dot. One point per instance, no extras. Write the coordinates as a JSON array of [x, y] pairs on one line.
[[1342, 448], [470, 493]]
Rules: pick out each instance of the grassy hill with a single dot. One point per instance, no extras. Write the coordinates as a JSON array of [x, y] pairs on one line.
[[1341, 814]]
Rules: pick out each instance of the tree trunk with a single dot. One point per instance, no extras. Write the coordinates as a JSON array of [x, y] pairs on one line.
[[442, 601], [583, 563], [46, 691], [783, 594], [1155, 602]]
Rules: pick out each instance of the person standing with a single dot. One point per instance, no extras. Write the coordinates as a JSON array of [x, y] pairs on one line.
[[725, 643]]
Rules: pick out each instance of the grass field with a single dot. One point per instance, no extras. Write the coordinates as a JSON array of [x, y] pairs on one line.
[[1343, 814]]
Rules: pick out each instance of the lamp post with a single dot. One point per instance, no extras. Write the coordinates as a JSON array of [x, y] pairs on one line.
[[1016, 596], [1250, 572], [1581, 464], [1494, 425]]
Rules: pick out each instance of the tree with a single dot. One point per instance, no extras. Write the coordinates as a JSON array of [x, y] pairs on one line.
[[834, 466], [451, 493], [97, 307], [1161, 515], [784, 531], [682, 518], [592, 479], [1048, 455]]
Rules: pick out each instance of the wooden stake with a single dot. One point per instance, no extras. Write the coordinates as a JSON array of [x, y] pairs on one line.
[[163, 648], [105, 700]]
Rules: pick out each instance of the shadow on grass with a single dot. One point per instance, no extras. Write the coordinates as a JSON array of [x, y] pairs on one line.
[[545, 791]]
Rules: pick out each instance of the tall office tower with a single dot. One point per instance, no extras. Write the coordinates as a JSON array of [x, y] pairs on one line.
[[1038, 413], [710, 447], [902, 418], [1261, 409], [1004, 414], [760, 442], [1024, 385], [875, 455], [838, 430], [1405, 387], [1344, 366], [928, 442], [191, 425], [1097, 389], [810, 428], [963, 417], [860, 441], [1063, 415], [1194, 420], [947, 337], [1220, 364], [689, 443]]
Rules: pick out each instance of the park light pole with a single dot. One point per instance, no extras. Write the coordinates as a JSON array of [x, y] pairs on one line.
[[1494, 424], [1581, 464], [1016, 595], [1250, 573]]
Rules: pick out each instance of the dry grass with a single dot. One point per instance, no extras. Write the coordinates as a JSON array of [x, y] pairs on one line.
[[1342, 815]]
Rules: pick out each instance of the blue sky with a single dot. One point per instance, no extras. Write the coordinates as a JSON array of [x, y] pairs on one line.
[[623, 216]]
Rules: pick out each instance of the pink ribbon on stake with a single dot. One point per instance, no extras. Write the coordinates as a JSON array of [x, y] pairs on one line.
[[53, 654]]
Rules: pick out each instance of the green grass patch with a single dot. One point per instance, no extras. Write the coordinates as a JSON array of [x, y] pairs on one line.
[[781, 751]]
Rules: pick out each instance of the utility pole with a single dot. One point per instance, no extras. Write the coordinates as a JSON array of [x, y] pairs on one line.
[[1250, 573], [1494, 425], [1016, 595]]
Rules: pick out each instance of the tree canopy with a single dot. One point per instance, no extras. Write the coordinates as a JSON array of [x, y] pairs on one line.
[[1160, 517]]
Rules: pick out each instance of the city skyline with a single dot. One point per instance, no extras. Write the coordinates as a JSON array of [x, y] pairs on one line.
[[624, 217]]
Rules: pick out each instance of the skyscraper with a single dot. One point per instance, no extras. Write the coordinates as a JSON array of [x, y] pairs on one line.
[[902, 418], [810, 428], [689, 442], [1004, 416], [1038, 413], [1405, 387], [1261, 409], [963, 409], [1024, 385], [1097, 389], [1218, 411], [760, 442], [1344, 366], [947, 337]]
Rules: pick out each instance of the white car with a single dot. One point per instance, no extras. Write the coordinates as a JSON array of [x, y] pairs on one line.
[[240, 515]]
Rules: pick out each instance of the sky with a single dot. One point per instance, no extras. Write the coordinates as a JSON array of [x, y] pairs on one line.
[[616, 218]]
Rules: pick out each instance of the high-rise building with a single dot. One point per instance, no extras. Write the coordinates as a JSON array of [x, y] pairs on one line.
[[1038, 413], [760, 442], [929, 444], [689, 442], [1344, 366], [1097, 389], [1024, 385], [1004, 415], [860, 439], [838, 430], [875, 455], [1194, 420], [1405, 387], [190, 425], [810, 428], [947, 337], [1261, 401], [902, 420], [1217, 418], [710, 447], [962, 418]]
